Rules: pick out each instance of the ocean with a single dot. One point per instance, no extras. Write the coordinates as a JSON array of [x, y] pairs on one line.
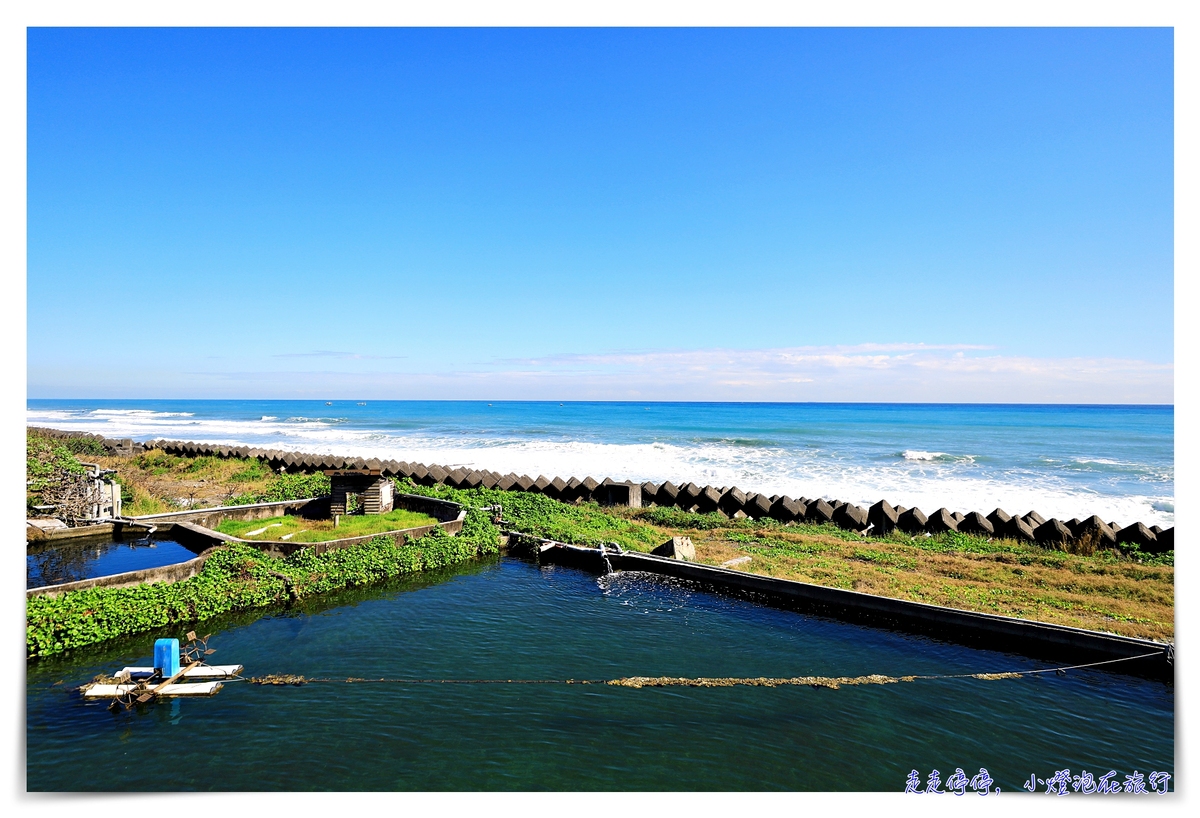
[[1063, 461]]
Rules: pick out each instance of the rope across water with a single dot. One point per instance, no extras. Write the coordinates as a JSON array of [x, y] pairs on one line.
[[830, 682]]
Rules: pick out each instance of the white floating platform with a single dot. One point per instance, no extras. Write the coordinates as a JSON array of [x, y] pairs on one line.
[[202, 672], [99, 691]]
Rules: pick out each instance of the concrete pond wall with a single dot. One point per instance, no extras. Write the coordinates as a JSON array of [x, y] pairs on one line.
[[195, 530], [731, 501]]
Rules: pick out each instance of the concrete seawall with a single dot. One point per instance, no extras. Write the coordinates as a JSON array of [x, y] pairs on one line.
[[731, 501]]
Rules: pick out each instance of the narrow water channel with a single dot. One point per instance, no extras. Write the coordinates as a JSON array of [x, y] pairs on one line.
[[509, 619]]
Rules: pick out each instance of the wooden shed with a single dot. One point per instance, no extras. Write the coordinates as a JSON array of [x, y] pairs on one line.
[[374, 491]]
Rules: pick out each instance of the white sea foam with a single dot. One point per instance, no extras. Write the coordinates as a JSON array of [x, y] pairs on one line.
[[912, 454], [144, 413], [268, 417], [919, 456], [928, 480]]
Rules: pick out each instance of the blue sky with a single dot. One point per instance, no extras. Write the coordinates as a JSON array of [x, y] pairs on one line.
[[730, 214]]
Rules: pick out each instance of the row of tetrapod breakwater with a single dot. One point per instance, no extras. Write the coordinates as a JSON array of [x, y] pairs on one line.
[[877, 520]]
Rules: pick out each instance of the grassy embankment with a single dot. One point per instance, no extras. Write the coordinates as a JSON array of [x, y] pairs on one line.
[[1126, 593], [301, 530], [155, 482]]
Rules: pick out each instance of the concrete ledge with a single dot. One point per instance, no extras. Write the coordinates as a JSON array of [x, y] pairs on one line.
[[33, 534]]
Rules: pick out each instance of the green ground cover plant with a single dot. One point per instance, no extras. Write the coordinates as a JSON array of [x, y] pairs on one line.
[[536, 514], [240, 577], [302, 530]]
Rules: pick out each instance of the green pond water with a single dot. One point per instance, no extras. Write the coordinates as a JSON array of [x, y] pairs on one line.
[[509, 619]]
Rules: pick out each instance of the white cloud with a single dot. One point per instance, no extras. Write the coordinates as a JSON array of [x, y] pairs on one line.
[[869, 372]]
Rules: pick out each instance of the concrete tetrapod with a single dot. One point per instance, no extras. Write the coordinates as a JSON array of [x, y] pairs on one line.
[[649, 494], [786, 510], [667, 495], [976, 523], [819, 512], [999, 519], [1095, 527], [1137, 534], [1018, 529], [1165, 540], [912, 521], [758, 506], [941, 520], [850, 517], [883, 518], [1053, 532], [1034, 519], [733, 501], [587, 487], [709, 499]]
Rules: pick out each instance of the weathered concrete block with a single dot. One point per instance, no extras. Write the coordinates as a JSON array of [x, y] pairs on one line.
[[900, 510], [883, 517], [689, 495], [709, 499], [1073, 524], [437, 474], [758, 506], [1157, 529], [941, 520], [677, 548], [619, 494], [456, 478], [1053, 532], [850, 517], [668, 494], [473, 480], [570, 492], [732, 501], [836, 504], [649, 493], [1018, 529], [490, 480], [1034, 519], [507, 482], [1095, 527], [785, 509], [1165, 540], [587, 487], [1137, 534], [976, 523], [999, 519], [819, 512], [959, 517], [419, 474], [525, 482]]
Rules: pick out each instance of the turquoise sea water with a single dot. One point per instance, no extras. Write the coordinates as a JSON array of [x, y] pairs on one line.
[[1063, 461], [509, 619]]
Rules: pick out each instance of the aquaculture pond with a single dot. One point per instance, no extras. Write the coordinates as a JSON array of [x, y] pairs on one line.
[[73, 560], [509, 619]]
